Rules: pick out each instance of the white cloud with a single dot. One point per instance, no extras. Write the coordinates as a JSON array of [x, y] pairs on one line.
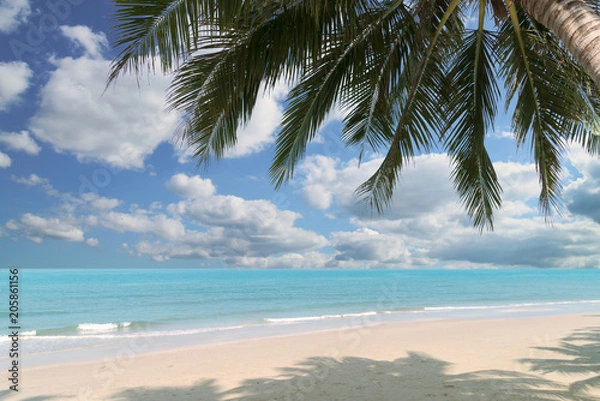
[[525, 242], [92, 242], [427, 225], [232, 227], [82, 36], [423, 187], [366, 245], [140, 222], [100, 203], [519, 181], [120, 126], [293, 260], [32, 181], [5, 161], [504, 134], [248, 227], [320, 173], [12, 14], [231, 244], [14, 80], [88, 201], [37, 228], [191, 187], [20, 142]]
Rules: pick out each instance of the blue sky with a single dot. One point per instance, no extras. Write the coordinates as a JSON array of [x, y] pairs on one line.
[[93, 179]]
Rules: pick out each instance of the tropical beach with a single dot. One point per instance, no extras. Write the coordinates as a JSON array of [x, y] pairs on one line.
[[533, 358], [217, 335], [399, 200]]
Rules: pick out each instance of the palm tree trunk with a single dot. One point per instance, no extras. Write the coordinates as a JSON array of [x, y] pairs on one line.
[[577, 26]]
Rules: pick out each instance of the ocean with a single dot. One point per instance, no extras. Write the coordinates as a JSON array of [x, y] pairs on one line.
[[84, 313]]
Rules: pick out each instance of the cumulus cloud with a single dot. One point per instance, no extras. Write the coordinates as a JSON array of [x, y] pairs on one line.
[[92, 242], [121, 126], [423, 187], [191, 187], [85, 202], [225, 226], [231, 245], [320, 172], [82, 36], [140, 222], [430, 229], [504, 134], [21, 142], [12, 14], [525, 243], [293, 260], [5, 161], [14, 80], [32, 181], [519, 180], [37, 228], [100, 203], [427, 225], [365, 244]]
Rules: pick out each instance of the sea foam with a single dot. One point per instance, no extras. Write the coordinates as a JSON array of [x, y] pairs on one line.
[[316, 318], [95, 327]]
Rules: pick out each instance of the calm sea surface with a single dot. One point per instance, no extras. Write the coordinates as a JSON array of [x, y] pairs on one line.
[[62, 310]]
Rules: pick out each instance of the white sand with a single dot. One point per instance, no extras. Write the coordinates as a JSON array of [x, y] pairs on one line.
[[518, 359]]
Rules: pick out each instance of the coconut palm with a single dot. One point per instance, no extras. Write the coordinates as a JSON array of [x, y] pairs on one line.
[[410, 76]]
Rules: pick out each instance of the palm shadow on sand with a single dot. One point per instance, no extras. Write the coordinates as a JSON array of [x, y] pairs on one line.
[[577, 356], [414, 377]]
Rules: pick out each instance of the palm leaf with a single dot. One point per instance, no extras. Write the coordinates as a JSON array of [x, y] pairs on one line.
[[218, 91], [169, 30], [538, 85], [472, 99], [418, 107], [148, 29], [332, 78], [369, 121]]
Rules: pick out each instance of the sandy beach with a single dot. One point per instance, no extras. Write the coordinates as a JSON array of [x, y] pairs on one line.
[[532, 358]]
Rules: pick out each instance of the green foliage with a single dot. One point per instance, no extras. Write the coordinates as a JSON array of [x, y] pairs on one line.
[[409, 75]]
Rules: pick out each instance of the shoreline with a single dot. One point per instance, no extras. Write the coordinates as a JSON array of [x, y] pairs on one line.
[[447, 359], [89, 348]]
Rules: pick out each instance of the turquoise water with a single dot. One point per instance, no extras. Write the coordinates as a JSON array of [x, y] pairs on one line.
[[62, 309]]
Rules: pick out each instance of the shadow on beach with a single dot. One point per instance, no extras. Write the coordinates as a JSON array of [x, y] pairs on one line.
[[577, 356], [414, 377]]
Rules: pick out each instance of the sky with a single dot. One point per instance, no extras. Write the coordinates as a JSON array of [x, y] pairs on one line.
[[97, 179]]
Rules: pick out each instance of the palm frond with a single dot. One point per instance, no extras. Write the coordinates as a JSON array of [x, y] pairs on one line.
[[418, 108], [539, 87], [369, 121], [472, 102], [169, 30], [218, 91], [332, 73], [149, 29]]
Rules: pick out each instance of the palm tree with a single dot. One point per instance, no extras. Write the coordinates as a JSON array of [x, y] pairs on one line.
[[410, 74]]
